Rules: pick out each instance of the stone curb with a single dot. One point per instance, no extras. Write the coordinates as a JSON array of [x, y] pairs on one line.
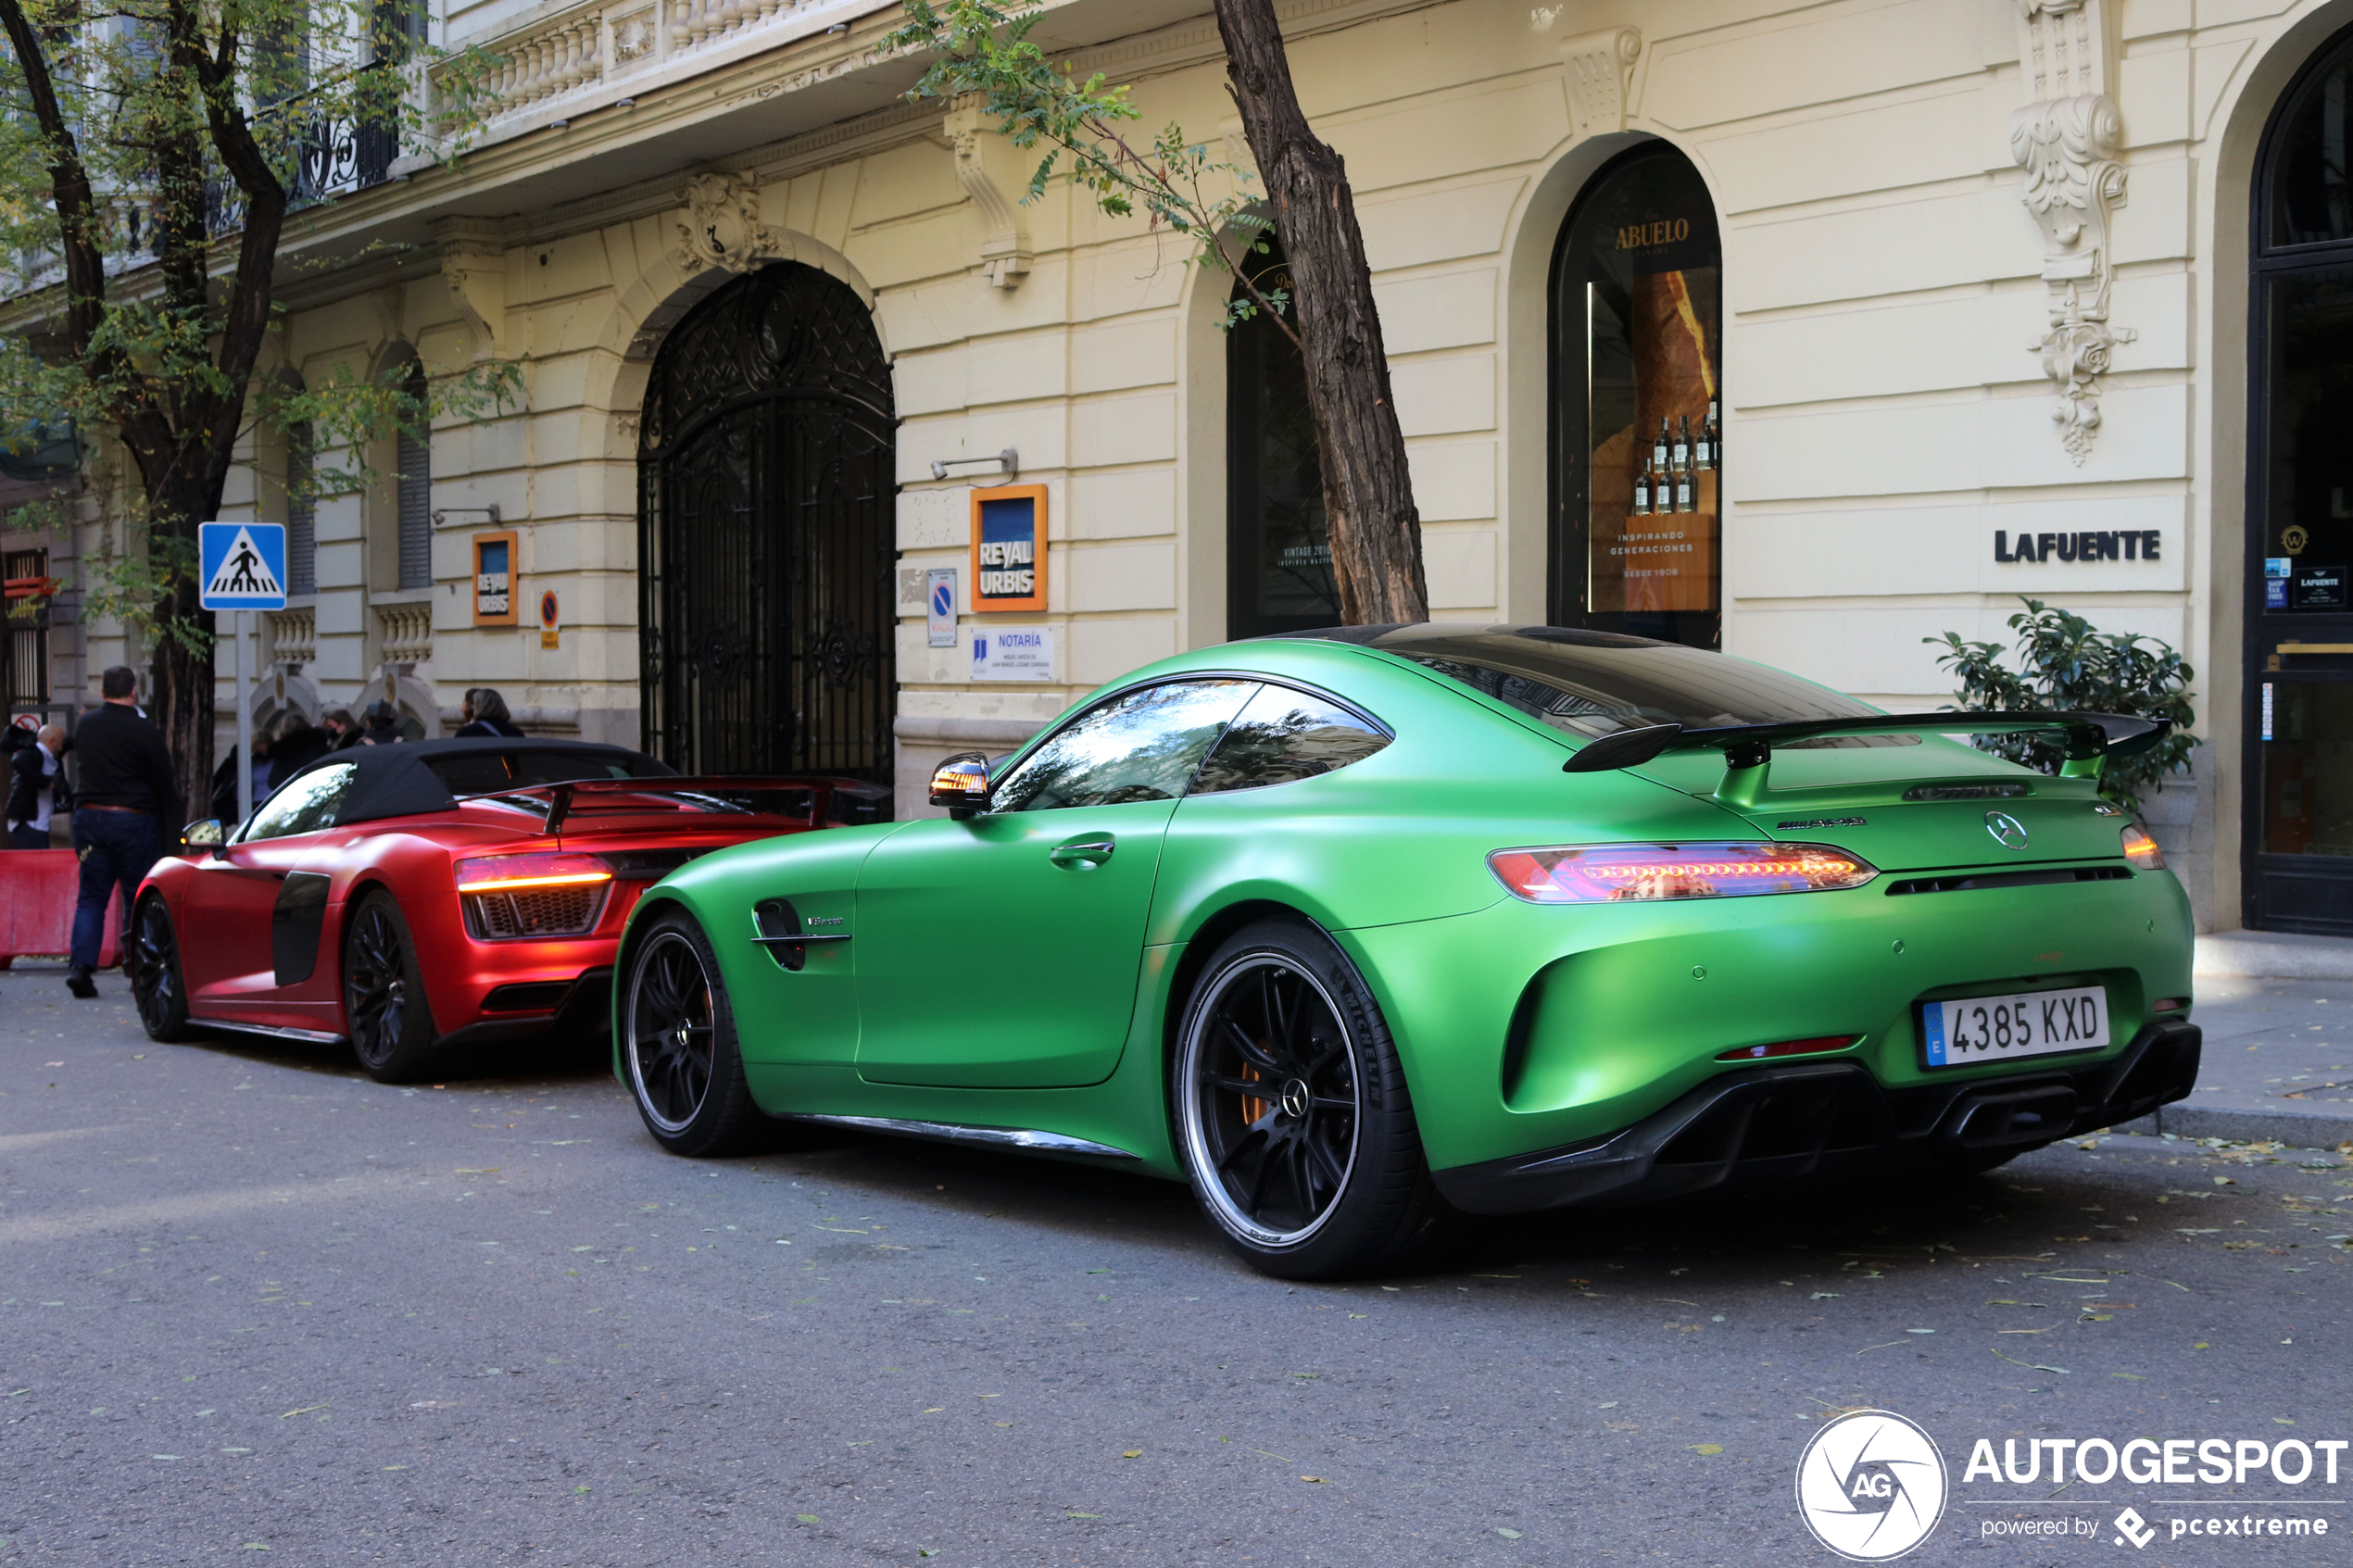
[[2274, 956], [2292, 1128]]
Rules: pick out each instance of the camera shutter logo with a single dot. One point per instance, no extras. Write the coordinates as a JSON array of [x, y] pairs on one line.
[[1871, 1485]]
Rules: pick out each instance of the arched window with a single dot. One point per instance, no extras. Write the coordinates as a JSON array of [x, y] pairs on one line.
[[1637, 397], [1278, 562], [413, 463], [2299, 866]]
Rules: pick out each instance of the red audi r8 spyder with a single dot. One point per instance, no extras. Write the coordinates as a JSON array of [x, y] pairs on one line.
[[415, 898]]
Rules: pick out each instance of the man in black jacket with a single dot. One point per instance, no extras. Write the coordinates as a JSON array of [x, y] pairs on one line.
[[37, 789], [127, 801]]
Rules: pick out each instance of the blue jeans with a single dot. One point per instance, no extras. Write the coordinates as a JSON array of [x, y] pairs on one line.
[[117, 849], [28, 838]]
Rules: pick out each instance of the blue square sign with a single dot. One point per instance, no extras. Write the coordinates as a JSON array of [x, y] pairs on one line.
[[241, 565]]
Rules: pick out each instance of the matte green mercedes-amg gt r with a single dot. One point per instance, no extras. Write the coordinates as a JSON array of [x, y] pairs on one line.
[[1345, 928]]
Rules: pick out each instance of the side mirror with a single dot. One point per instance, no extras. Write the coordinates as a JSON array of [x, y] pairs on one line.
[[204, 837], [961, 784]]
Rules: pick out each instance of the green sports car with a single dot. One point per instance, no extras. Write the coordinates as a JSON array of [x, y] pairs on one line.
[[1352, 929]]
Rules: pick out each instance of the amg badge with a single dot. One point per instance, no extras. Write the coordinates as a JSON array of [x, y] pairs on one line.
[[1823, 822]]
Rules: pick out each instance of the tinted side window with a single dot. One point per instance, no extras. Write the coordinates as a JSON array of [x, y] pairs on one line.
[[1139, 746], [306, 805], [1284, 736]]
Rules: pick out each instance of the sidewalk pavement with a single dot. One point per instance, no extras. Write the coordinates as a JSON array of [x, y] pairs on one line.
[[2277, 1065]]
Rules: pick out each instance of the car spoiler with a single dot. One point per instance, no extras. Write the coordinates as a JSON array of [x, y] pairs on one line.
[[2091, 739], [562, 797]]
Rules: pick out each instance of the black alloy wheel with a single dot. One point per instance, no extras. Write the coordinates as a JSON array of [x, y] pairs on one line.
[[680, 1047], [384, 994], [1293, 1119], [157, 987]]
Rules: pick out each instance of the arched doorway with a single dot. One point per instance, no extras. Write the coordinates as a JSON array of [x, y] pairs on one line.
[[766, 535], [2298, 865], [1636, 373]]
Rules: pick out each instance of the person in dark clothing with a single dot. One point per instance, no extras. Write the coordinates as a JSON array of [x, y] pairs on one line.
[[295, 744], [383, 724], [127, 803], [485, 712], [342, 730], [224, 779], [37, 789]]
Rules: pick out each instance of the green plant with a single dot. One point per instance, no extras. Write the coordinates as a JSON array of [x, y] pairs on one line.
[[2065, 666]]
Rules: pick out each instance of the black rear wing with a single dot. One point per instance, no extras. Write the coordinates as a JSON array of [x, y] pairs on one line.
[[567, 799], [2091, 740]]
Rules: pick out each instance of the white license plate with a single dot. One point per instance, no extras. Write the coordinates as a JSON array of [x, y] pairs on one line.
[[1977, 1029]]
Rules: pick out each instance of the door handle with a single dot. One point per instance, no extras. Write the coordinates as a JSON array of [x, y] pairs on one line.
[[1084, 853]]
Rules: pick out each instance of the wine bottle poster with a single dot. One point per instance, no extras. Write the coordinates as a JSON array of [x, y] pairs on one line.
[[1664, 560]]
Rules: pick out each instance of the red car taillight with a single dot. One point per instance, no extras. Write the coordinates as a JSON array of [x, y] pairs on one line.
[[1604, 873], [543, 894], [2142, 850]]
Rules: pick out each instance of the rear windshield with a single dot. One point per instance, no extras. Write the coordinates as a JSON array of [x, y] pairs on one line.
[[1593, 688]]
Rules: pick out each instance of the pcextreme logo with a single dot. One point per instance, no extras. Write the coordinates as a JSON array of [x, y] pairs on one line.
[[1871, 1485]]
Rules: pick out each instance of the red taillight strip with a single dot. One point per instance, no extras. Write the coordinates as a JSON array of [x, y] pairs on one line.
[[507, 884]]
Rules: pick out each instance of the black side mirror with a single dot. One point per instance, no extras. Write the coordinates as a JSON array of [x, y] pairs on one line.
[[961, 784], [206, 837]]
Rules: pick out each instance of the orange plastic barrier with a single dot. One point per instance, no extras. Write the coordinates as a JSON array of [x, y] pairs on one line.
[[37, 888]]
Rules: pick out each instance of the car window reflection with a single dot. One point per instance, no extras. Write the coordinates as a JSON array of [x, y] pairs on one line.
[[1139, 746], [307, 804], [1285, 736]]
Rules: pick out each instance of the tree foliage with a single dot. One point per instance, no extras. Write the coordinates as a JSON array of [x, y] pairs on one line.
[[151, 152], [2065, 666], [984, 51]]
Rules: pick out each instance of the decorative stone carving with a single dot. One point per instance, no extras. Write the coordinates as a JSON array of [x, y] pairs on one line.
[[1600, 69], [474, 263], [988, 166], [723, 228], [2067, 138]]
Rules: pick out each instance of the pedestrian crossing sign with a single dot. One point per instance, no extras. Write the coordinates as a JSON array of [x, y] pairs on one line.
[[241, 565]]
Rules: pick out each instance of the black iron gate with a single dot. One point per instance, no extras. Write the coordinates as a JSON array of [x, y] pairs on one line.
[[766, 535]]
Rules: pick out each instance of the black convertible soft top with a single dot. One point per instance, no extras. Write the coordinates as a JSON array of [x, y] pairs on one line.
[[414, 777]]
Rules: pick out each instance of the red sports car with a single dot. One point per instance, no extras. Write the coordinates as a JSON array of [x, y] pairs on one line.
[[413, 898]]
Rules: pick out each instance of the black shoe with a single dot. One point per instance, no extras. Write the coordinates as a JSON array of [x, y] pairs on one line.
[[79, 982]]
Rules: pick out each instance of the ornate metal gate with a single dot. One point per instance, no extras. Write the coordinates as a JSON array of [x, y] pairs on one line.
[[766, 535]]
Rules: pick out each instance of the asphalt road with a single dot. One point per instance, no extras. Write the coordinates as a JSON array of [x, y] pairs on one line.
[[250, 1301]]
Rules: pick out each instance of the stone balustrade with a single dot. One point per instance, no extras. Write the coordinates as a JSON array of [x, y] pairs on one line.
[[585, 49], [404, 632], [290, 636]]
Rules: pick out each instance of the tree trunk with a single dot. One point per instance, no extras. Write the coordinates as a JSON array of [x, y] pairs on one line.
[[183, 689], [1375, 530]]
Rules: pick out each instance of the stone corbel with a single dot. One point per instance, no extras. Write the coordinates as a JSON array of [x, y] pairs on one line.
[[1601, 73], [474, 263], [2065, 139], [989, 167], [723, 228]]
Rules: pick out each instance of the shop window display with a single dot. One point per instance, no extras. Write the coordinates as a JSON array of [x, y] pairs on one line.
[[1638, 404]]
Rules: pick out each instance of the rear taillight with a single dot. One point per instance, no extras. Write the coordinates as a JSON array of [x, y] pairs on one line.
[[1812, 1045], [1604, 873], [2142, 850], [507, 897]]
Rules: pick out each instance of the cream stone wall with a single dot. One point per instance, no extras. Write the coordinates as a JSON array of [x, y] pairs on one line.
[[1885, 413]]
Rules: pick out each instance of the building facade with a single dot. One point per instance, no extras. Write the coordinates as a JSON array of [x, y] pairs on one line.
[[1809, 332]]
